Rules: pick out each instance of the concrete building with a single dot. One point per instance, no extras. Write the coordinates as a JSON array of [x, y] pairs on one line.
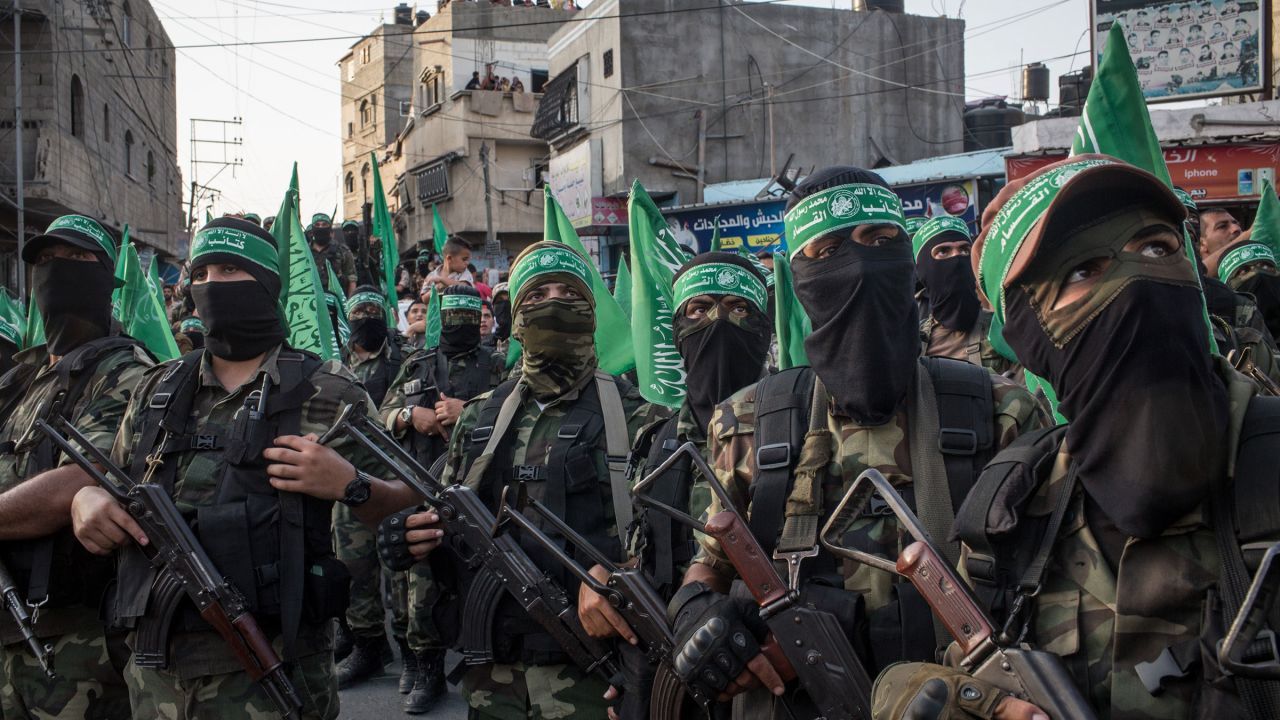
[[377, 81], [456, 131], [99, 123], [685, 93]]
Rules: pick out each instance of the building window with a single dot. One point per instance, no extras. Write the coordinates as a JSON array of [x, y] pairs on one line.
[[106, 123], [608, 63], [351, 129], [432, 95], [128, 153], [351, 183], [364, 180], [77, 107], [373, 108], [538, 80], [151, 168], [364, 113], [126, 26]]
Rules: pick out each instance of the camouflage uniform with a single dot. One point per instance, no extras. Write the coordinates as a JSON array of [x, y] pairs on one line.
[[341, 259], [853, 449], [88, 685], [204, 680], [511, 691], [415, 588], [972, 347]]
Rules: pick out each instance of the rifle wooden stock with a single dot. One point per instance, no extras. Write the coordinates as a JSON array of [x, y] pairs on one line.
[[754, 567], [945, 593]]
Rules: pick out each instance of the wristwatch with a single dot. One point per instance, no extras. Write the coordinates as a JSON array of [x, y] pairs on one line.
[[406, 415], [358, 491]]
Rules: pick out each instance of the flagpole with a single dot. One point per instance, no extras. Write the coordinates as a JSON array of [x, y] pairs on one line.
[[18, 160]]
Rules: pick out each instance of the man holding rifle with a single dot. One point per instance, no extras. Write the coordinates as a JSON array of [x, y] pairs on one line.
[[784, 446], [1156, 488], [86, 373], [231, 433]]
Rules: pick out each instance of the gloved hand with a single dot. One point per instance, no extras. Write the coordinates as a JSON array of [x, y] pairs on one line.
[[924, 691], [393, 542], [716, 641]]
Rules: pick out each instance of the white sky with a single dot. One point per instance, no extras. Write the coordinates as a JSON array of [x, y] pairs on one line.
[[288, 95]]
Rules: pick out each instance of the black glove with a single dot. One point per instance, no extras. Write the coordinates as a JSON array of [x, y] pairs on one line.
[[393, 547], [715, 636]]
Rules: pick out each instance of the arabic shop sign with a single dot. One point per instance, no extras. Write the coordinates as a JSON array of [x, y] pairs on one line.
[[957, 198], [757, 225]]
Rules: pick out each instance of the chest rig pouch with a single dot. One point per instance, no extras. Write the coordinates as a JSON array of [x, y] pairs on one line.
[[273, 546], [429, 377], [56, 571], [665, 545]]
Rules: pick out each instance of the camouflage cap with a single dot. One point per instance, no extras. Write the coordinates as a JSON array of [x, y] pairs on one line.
[[937, 227], [78, 230], [548, 261]]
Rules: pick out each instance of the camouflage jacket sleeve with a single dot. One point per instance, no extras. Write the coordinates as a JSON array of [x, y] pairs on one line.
[[453, 467], [1016, 411], [395, 400], [130, 423], [103, 405], [336, 388], [347, 266], [729, 447]]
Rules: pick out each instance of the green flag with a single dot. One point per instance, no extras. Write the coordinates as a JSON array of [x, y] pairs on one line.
[[12, 318], [33, 328], [613, 327], [301, 298], [438, 234], [715, 237], [434, 322], [622, 287], [657, 256], [790, 320], [208, 216], [139, 308], [385, 230], [1266, 224]]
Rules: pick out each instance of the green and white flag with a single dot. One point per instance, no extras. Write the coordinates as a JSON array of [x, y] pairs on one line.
[[1266, 224], [439, 235], [657, 257], [434, 322], [613, 326], [12, 318], [385, 230], [33, 328], [791, 322], [715, 236], [622, 288], [302, 302], [138, 307]]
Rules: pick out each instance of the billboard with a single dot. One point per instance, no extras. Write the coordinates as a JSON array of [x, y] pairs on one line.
[[756, 224], [1189, 48], [958, 198], [574, 177], [1212, 173]]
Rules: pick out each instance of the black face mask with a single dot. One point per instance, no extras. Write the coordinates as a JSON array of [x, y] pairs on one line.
[[1146, 407], [721, 356], [1265, 288], [866, 335], [322, 236], [502, 319], [351, 236], [7, 351], [459, 339], [953, 294], [241, 318], [369, 333], [197, 340], [74, 297]]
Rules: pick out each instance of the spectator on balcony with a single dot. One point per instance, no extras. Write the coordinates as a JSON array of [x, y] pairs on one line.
[[474, 82]]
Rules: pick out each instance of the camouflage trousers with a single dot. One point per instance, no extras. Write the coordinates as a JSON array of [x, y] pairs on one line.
[[163, 695], [355, 544], [533, 692], [87, 687], [412, 597]]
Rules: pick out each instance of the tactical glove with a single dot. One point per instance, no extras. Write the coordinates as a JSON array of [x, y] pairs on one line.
[[924, 691], [393, 547], [715, 636]]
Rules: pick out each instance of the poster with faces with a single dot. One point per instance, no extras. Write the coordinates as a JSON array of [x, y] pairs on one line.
[[1188, 48]]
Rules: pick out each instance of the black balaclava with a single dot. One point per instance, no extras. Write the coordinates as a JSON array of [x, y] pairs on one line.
[[865, 338], [459, 327], [950, 285], [351, 235], [722, 354], [502, 316], [7, 351], [321, 236], [1264, 286], [74, 298], [241, 318], [1131, 366], [369, 333]]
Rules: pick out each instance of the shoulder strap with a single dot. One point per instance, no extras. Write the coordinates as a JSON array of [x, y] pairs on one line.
[[782, 418], [501, 407], [442, 373], [617, 445], [167, 411], [658, 442], [966, 425]]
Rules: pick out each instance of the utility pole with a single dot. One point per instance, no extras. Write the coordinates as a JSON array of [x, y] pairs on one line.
[[18, 133], [773, 171], [702, 152], [225, 162], [490, 241]]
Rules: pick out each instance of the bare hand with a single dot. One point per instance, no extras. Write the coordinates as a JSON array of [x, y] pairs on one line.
[[423, 532], [612, 694], [100, 523], [1011, 708], [301, 465], [425, 421], [447, 410], [599, 618], [417, 328]]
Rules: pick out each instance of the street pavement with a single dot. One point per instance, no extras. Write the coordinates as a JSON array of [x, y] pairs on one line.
[[378, 699]]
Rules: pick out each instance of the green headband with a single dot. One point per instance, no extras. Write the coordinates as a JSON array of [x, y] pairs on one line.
[[1187, 201], [351, 223], [840, 208], [546, 261], [1015, 220], [191, 324], [935, 227], [460, 301], [764, 271], [364, 298], [321, 217], [89, 227], [1237, 258], [720, 279], [235, 242], [9, 331], [912, 224]]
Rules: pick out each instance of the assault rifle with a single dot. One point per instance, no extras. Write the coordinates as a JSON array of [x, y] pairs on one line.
[[628, 590], [1029, 674], [497, 560], [18, 610], [183, 568], [1243, 362], [804, 642], [1250, 649]]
